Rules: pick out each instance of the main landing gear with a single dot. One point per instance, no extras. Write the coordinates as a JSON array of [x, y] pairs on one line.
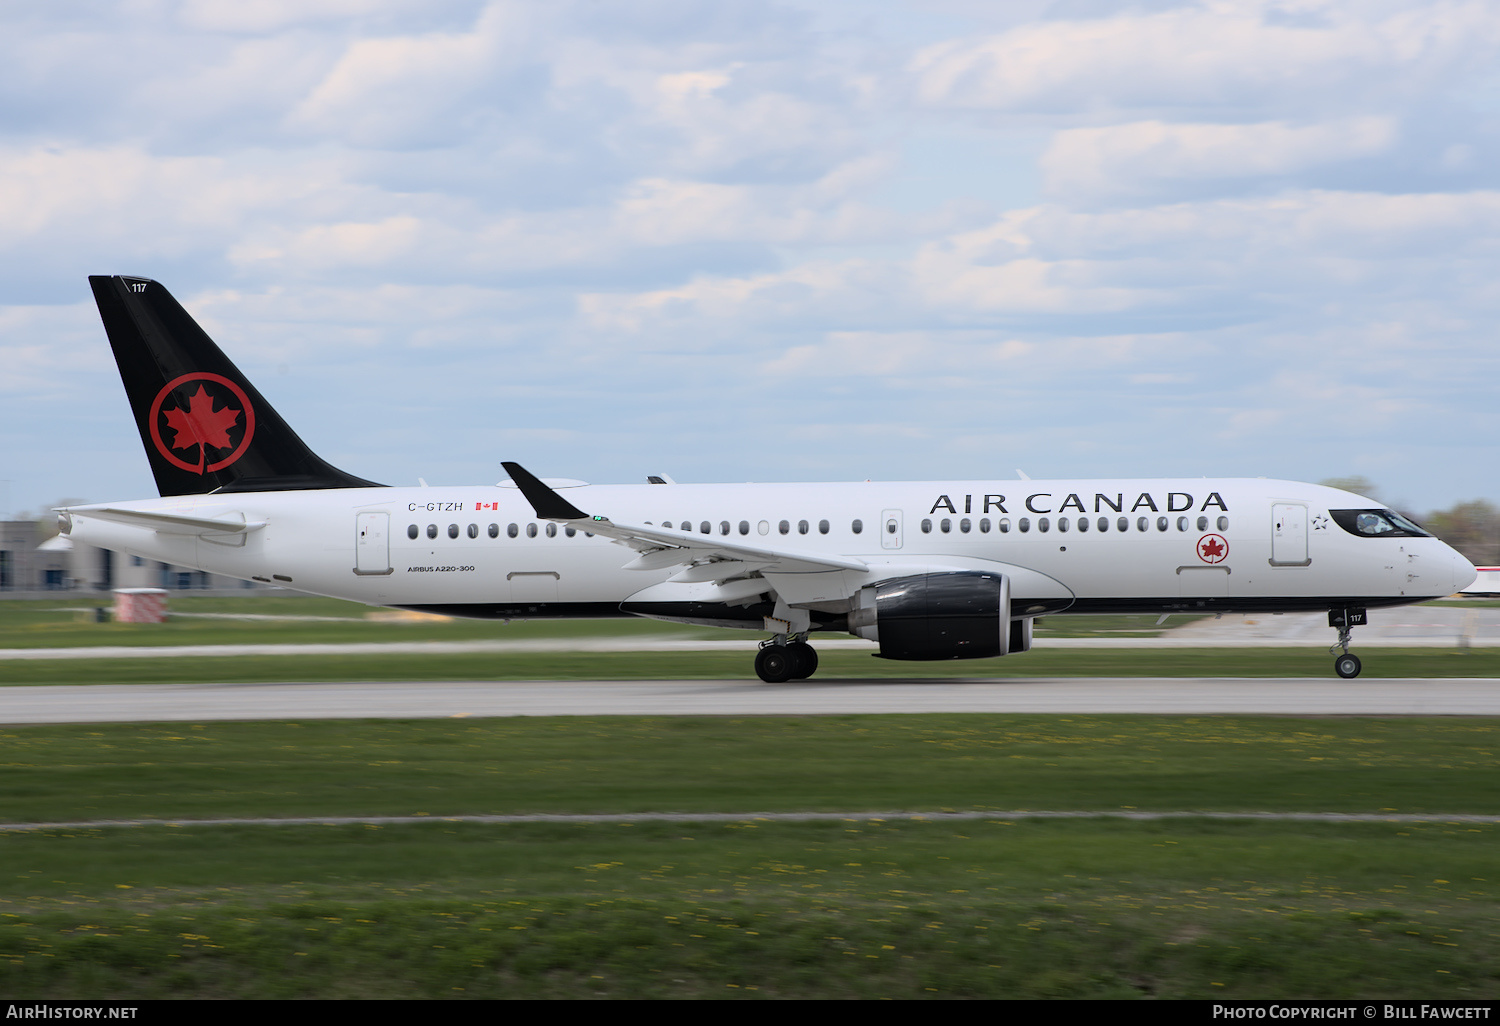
[[1345, 664], [779, 661]]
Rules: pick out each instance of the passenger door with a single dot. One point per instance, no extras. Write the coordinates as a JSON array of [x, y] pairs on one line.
[[1289, 534]]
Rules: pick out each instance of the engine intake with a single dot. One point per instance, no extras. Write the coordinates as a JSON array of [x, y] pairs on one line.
[[964, 614]]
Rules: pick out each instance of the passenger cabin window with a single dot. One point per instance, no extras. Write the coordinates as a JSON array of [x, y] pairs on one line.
[[531, 530], [984, 525], [413, 531], [857, 526], [1123, 524], [551, 530], [570, 531], [927, 527], [785, 527], [494, 530], [724, 526], [705, 528], [1062, 524], [744, 527], [1182, 523], [965, 525], [1043, 524], [473, 530], [432, 530], [1223, 523], [512, 531], [947, 525], [802, 527], [1203, 523], [822, 527], [1023, 525], [1161, 523]]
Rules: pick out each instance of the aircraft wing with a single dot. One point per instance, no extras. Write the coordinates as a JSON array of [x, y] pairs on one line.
[[704, 557], [170, 523]]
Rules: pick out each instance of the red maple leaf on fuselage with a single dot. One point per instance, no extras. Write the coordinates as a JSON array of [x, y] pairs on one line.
[[200, 424], [1212, 549]]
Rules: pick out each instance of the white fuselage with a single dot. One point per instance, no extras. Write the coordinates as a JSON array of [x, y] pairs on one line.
[[1079, 546]]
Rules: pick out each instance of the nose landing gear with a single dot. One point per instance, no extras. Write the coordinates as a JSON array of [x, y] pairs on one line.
[[778, 661], [1345, 664]]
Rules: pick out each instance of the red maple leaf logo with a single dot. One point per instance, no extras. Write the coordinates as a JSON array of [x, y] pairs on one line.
[[1212, 548], [200, 424], [194, 422]]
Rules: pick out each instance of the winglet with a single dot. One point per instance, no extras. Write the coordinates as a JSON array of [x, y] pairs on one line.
[[547, 503]]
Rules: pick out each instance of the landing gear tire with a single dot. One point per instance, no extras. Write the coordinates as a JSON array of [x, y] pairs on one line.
[[774, 664], [1347, 666], [804, 660]]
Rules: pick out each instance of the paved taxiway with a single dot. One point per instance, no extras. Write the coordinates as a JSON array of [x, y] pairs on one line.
[[105, 703]]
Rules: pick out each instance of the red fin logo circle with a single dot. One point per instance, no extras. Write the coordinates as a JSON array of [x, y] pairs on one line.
[[1213, 548], [204, 419]]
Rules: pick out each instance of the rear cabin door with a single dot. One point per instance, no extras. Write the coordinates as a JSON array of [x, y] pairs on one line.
[[372, 543]]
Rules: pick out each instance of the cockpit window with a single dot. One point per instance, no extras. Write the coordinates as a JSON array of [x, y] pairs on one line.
[[1376, 523]]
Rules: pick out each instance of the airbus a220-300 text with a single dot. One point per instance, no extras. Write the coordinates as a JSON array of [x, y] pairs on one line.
[[929, 570]]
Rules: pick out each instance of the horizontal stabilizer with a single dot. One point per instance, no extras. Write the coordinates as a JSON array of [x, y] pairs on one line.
[[168, 523]]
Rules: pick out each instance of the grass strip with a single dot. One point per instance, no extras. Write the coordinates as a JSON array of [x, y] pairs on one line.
[[1081, 908], [897, 910], [1444, 765]]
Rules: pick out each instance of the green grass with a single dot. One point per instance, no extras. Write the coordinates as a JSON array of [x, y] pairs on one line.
[[902, 909], [746, 764], [1081, 910]]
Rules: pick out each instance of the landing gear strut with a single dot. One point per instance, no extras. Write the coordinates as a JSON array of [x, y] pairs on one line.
[[777, 661], [1345, 664]]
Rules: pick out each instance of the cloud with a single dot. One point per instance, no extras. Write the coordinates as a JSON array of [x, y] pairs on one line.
[[1110, 237], [1229, 56], [1156, 157]]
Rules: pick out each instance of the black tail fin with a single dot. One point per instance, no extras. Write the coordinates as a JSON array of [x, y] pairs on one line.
[[205, 427]]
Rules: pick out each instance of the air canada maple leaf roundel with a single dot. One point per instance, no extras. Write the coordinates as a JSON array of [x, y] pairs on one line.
[[202, 422]]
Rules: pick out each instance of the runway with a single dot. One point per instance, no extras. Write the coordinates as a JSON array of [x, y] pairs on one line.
[[1296, 696]]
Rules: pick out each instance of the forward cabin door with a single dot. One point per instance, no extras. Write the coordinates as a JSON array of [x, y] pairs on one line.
[[372, 543], [1289, 534]]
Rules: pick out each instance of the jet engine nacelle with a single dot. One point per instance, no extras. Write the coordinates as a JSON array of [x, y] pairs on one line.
[[964, 614]]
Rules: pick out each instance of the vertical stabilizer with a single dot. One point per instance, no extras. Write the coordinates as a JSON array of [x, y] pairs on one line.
[[204, 426]]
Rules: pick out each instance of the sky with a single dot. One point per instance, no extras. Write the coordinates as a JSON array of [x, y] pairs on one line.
[[770, 241]]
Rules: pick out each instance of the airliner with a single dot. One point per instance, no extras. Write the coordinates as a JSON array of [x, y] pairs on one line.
[[942, 569]]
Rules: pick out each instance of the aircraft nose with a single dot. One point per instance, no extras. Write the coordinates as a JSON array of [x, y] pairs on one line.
[[1464, 573]]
